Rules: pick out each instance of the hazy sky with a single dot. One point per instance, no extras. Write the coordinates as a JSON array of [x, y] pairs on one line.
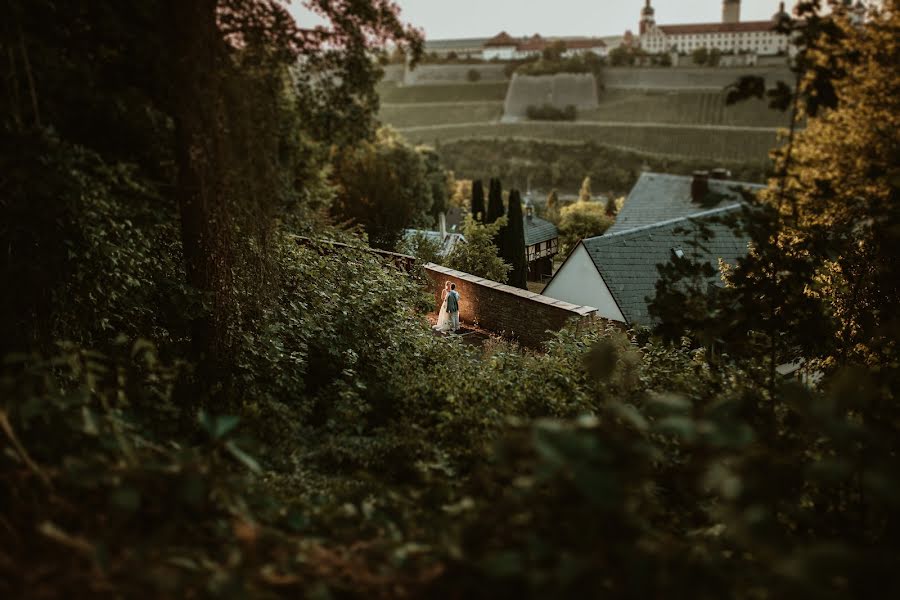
[[484, 18]]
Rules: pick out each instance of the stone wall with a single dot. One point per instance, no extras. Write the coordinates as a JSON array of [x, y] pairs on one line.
[[511, 312], [561, 90]]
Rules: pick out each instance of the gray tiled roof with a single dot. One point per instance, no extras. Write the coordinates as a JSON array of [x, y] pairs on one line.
[[660, 197], [627, 260], [538, 230]]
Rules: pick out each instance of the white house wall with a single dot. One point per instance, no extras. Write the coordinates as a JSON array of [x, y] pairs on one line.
[[577, 281]]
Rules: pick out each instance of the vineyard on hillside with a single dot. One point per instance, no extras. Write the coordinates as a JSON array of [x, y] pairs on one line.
[[438, 113], [455, 92], [684, 142], [543, 165], [682, 107]]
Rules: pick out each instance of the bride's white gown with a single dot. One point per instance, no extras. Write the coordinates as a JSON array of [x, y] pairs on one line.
[[443, 322]]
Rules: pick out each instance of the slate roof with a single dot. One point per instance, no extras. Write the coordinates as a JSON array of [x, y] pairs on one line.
[[538, 230], [660, 197], [445, 247], [627, 260]]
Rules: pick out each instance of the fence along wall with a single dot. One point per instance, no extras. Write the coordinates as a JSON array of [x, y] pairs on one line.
[[511, 312]]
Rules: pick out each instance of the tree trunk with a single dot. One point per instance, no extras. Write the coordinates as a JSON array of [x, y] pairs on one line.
[[198, 115]]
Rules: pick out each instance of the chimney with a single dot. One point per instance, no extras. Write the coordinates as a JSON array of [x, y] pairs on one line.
[[442, 224], [699, 185], [529, 211]]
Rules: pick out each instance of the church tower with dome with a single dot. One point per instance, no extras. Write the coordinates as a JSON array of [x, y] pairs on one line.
[[647, 20]]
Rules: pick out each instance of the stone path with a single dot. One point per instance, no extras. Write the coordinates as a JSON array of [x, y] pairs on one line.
[[467, 333]]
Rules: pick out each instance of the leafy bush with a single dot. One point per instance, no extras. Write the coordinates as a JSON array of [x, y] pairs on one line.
[[581, 220], [549, 112], [580, 63], [479, 256]]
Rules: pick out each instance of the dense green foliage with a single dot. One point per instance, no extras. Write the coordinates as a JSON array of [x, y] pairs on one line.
[[480, 255], [580, 220], [336, 447], [551, 63], [386, 186]]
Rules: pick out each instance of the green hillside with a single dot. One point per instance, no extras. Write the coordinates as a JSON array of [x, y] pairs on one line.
[[453, 92], [680, 130], [682, 107], [685, 142], [546, 165], [439, 113]]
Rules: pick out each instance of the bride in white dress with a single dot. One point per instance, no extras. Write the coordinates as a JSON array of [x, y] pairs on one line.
[[443, 322]]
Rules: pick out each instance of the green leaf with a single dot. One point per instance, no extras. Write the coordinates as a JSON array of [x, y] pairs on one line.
[[217, 427], [247, 460]]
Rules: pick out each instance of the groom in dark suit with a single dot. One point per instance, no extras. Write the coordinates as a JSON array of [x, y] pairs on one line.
[[453, 307]]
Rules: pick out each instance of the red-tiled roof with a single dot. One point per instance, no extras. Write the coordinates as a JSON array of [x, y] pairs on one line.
[[585, 43], [740, 27], [535, 42], [501, 39]]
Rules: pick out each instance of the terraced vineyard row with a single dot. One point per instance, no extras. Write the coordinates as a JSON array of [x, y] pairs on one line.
[[664, 141], [457, 92], [433, 113], [682, 107]]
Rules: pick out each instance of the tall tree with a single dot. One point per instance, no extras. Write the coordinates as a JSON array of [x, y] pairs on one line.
[[495, 202], [821, 281], [495, 211], [478, 211], [383, 186], [514, 242], [214, 43]]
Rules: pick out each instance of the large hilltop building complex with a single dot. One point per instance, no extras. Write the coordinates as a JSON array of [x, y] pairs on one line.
[[506, 47], [730, 36]]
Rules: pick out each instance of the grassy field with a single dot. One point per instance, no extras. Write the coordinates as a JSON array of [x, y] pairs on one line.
[[683, 142], [433, 113], [682, 107], [458, 92]]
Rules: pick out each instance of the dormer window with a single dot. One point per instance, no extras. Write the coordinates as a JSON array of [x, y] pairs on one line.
[[678, 252]]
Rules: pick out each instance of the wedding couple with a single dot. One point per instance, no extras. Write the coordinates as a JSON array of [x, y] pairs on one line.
[[448, 316]]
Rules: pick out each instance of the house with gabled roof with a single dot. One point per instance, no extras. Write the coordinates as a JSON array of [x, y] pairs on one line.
[[541, 244], [617, 272], [660, 197]]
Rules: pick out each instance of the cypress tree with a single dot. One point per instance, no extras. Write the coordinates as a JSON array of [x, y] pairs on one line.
[[514, 241], [478, 212], [495, 210], [495, 202]]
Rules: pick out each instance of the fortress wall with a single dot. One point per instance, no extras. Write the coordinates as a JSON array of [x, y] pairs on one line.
[[561, 90], [514, 313]]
